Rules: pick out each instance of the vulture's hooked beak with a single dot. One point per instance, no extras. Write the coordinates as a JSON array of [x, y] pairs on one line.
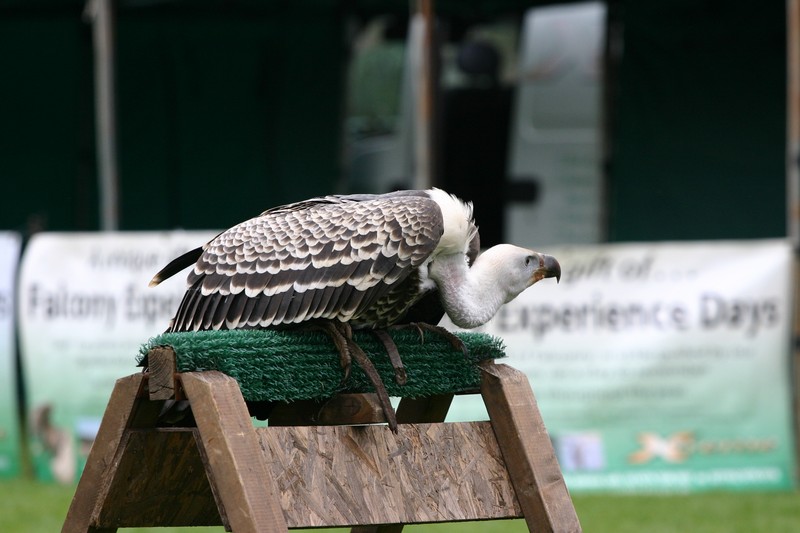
[[548, 268]]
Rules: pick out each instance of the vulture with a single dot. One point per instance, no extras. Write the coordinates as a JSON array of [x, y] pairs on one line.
[[364, 261]]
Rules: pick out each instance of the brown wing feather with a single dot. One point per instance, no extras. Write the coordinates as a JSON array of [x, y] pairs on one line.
[[333, 258]]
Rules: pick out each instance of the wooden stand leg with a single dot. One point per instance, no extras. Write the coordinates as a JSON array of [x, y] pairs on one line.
[[119, 415], [527, 450], [241, 483]]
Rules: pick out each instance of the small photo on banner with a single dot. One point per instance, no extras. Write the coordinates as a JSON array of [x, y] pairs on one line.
[[85, 308], [9, 413]]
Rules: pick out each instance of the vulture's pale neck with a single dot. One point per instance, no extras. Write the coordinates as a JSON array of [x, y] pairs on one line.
[[472, 295]]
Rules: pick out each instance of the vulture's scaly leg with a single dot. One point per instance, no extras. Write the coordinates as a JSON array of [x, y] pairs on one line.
[[339, 335], [342, 335], [383, 397], [394, 355]]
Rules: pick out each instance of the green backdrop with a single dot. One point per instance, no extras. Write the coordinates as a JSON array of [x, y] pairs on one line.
[[226, 108], [699, 127]]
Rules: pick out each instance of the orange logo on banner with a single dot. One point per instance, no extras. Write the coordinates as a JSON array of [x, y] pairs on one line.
[[673, 449]]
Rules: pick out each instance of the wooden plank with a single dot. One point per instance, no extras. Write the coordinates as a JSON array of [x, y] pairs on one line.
[[424, 410], [359, 409], [228, 440], [341, 409], [528, 452], [161, 369], [330, 476], [161, 482], [115, 419]]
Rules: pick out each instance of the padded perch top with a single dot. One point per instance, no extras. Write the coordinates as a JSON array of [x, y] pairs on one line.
[[287, 366]]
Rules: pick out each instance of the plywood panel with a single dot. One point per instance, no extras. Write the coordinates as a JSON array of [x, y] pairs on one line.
[[352, 475]]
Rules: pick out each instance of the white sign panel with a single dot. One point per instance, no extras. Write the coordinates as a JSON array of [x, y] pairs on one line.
[[556, 134], [84, 309], [661, 366], [9, 426]]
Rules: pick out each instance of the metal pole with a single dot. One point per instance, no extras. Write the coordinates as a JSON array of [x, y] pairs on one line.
[[793, 122], [424, 92], [100, 14], [793, 186]]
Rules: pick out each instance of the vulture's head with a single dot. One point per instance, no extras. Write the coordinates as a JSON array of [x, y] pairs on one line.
[[516, 269]]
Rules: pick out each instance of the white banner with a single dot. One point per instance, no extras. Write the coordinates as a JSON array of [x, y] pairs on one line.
[[84, 309], [9, 425], [661, 366]]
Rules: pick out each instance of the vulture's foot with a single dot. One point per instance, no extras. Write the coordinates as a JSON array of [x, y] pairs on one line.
[[446, 334], [342, 335]]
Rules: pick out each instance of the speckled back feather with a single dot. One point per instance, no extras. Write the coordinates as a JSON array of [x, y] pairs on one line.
[[349, 258]]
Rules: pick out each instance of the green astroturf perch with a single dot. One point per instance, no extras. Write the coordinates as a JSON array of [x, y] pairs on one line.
[[338, 263]]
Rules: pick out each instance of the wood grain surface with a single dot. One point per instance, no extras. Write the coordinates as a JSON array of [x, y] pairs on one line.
[[355, 475]]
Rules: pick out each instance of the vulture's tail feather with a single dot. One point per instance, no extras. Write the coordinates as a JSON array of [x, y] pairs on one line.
[[176, 265]]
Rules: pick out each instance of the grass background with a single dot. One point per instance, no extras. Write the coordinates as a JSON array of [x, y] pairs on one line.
[[33, 507]]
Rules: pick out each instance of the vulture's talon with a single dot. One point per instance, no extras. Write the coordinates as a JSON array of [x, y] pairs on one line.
[[455, 342], [420, 332]]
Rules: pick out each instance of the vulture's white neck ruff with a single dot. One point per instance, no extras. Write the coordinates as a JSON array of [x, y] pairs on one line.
[[457, 220]]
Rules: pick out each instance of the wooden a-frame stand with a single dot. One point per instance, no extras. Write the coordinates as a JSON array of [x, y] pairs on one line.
[[304, 471]]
